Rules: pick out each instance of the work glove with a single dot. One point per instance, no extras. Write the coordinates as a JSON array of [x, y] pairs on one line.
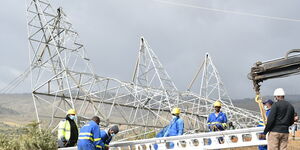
[[214, 128], [66, 143], [62, 142]]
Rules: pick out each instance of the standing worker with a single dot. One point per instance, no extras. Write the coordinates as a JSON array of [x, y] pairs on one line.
[[106, 136], [175, 128], [67, 130], [294, 127], [280, 118], [267, 106], [217, 121], [89, 136]]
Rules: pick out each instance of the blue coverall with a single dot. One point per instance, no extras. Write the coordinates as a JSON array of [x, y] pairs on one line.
[[175, 128], [105, 138], [216, 123], [261, 124], [89, 137]]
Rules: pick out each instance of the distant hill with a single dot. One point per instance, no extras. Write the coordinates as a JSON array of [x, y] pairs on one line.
[[249, 103], [18, 109], [7, 111], [16, 104]]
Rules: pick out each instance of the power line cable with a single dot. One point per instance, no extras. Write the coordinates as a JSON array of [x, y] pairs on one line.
[[15, 82], [228, 11]]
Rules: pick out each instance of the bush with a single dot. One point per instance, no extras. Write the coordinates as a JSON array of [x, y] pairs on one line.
[[150, 135], [29, 137]]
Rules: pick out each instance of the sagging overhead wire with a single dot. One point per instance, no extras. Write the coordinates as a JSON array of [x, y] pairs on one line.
[[15, 82], [227, 11]]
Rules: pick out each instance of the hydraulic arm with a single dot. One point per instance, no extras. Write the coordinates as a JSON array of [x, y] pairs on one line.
[[282, 67]]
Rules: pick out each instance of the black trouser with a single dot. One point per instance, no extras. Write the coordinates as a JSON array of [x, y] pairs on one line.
[[62, 144]]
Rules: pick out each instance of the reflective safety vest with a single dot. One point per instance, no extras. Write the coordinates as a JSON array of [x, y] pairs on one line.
[[261, 123], [217, 122], [64, 130]]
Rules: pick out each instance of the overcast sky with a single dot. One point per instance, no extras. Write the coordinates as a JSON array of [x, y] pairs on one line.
[[179, 34]]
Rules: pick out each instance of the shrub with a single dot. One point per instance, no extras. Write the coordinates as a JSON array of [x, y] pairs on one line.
[[29, 137]]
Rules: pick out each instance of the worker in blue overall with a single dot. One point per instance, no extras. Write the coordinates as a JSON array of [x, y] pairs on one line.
[[89, 136], [267, 106], [217, 121], [175, 128], [106, 136]]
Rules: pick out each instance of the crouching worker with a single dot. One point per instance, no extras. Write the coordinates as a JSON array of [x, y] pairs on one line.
[[217, 121], [175, 128], [89, 136], [106, 136], [67, 130]]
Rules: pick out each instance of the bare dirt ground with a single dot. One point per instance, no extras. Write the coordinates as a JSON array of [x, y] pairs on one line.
[[294, 144]]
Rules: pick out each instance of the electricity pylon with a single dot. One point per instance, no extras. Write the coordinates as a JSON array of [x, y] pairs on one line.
[[62, 78], [212, 87]]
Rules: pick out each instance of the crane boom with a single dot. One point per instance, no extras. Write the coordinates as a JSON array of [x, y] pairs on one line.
[[282, 67], [278, 68]]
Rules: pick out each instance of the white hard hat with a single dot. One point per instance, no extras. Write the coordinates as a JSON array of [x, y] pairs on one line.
[[279, 92]]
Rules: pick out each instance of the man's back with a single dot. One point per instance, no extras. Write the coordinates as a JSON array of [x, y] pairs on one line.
[[87, 132], [281, 117], [89, 137]]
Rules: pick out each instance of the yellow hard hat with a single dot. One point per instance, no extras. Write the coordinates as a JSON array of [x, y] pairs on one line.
[[71, 112], [176, 111], [217, 104]]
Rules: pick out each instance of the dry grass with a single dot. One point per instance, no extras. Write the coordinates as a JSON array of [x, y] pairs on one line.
[[293, 145]]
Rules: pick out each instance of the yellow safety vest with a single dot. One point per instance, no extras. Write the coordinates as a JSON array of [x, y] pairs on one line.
[[64, 130]]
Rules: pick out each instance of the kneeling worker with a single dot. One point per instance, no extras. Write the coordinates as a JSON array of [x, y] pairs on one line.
[[217, 121], [106, 136]]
